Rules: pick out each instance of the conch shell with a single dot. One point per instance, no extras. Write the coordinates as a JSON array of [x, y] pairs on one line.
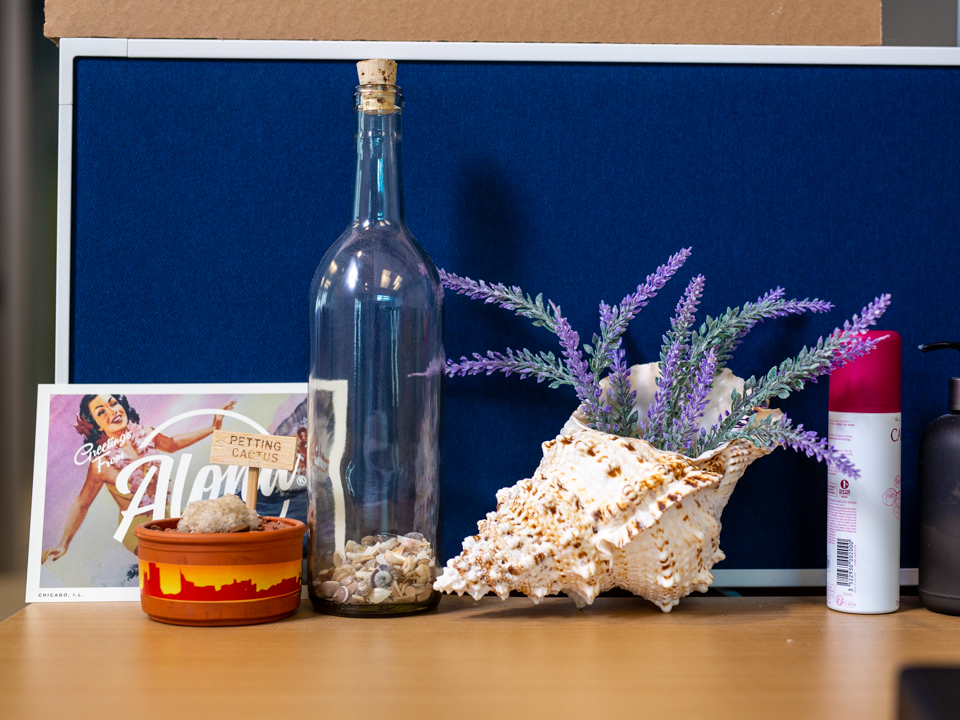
[[604, 511]]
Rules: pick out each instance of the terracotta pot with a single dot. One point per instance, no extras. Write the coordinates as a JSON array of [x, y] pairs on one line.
[[220, 578]]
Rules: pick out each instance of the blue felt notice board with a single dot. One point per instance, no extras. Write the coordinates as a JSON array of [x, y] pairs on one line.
[[206, 191]]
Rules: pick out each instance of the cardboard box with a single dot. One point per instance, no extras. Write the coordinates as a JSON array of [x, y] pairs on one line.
[[740, 22]]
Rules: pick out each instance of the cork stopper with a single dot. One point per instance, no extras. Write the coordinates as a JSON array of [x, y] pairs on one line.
[[378, 86], [377, 72]]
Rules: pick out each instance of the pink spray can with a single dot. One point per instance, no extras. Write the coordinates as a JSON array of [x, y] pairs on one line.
[[863, 514]]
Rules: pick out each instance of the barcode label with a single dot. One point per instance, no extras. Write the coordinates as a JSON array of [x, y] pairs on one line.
[[844, 562]]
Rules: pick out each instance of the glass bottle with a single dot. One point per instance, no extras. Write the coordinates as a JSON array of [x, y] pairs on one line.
[[376, 388]]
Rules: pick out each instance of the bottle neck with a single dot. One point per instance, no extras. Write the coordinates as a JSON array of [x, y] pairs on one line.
[[378, 193]]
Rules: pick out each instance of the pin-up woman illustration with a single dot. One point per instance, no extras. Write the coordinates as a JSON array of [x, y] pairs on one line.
[[112, 431]]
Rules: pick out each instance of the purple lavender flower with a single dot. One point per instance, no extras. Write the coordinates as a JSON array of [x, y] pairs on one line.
[[647, 290], [846, 344], [776, 294], [868, 316], [512, 298], [621, 394], [585, 383], [524, 363], [663, 407], [657, 413], [689, 421], [614, 320], [809, 443], [687, 308]]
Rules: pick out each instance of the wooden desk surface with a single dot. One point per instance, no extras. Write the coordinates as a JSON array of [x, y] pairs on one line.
[[710, 658]]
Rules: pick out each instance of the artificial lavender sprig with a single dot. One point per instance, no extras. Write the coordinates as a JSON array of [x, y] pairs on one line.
[[622, 396], [647, 290], [614, 320], [675, 350], [687, 425], [512, 298], [585, 383], [617, 415], [781, 431], [686, 310], [542, 366], [726, 332], [679, 335], [868, 316], [656, 424]]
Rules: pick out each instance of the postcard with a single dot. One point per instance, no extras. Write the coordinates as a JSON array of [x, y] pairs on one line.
[[110, 457]]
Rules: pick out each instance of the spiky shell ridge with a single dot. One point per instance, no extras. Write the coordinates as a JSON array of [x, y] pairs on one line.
[[574, 527], [675, 557]]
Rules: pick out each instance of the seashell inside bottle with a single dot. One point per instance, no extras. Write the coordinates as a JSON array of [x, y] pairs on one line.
[[375, 393], [358, 577]]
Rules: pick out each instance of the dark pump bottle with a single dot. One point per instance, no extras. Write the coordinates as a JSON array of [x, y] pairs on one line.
[[940, 504]]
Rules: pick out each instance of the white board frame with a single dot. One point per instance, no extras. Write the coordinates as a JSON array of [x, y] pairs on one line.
[[72, 48]]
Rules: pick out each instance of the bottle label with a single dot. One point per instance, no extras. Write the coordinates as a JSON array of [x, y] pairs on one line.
[[863, 514]]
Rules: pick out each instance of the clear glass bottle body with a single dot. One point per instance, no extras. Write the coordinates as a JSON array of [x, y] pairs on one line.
[[375, 394]]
